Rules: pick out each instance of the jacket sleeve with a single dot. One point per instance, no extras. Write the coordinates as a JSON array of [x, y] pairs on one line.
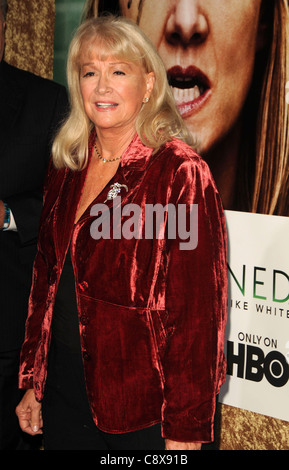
[[36, 313], [39, 296], [196, 301], [27, 206]]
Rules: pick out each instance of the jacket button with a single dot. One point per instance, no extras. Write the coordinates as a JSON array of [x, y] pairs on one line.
[[83, 286], [84, 320], [86, 356], [44, 336], [53, 276], [37, 386]]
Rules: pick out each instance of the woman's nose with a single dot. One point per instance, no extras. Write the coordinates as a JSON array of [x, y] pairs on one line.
[[102, 85], [187, 23]]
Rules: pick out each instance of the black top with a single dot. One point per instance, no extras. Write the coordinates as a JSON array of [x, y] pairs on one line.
[[65, 326]]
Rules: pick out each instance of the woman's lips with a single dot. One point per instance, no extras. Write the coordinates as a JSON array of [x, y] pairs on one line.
[[190, 87], [105, 105]]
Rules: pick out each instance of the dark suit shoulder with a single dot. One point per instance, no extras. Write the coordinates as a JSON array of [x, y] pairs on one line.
[[25, 79]]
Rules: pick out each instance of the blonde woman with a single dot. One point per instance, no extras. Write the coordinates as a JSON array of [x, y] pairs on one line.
[[125, 332], [227, 63]]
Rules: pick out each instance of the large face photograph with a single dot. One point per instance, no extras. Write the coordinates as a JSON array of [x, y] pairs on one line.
[[226, 64]]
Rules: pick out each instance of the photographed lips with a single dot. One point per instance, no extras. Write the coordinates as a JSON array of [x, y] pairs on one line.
[[191, 88]]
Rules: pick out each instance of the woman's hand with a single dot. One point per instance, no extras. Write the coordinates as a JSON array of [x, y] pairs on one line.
[[29, 414], [174, 445]]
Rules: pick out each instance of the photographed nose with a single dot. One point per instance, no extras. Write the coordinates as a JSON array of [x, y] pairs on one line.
[[187, 23]]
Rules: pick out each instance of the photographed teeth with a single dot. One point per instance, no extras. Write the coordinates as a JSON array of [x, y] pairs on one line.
[[184, 95], [183, 79]]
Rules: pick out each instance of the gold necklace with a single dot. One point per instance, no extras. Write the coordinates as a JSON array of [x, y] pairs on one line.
[[105, 159]]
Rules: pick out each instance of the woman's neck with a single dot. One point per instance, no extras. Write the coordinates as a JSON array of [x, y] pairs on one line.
[[112, 143]]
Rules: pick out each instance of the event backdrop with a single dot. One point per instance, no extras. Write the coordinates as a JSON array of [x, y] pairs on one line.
[[30, 36], [254, 410]]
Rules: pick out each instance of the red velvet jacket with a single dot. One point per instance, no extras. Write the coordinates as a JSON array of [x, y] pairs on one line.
[[151, 315]]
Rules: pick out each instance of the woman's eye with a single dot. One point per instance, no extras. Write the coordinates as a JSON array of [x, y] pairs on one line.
[[119, 72], [88, 74]]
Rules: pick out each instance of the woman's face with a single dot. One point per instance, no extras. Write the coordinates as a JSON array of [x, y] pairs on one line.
[[208, 47], [112, 90]]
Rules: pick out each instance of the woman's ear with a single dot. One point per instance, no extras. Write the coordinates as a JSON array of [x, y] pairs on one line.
[[150, 83]]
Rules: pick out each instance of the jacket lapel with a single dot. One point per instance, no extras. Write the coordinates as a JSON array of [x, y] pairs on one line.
[[66, 207], [129, 175], [127, 178]]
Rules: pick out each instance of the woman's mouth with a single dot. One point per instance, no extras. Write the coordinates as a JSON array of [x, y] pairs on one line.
[[105, 105], [190, 87]]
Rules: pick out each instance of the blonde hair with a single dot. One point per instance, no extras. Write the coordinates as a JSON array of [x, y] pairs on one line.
[[158, 120], [271, 188], [90, 9]]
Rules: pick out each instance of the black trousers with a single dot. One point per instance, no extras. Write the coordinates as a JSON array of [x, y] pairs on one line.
[[67, 419]]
